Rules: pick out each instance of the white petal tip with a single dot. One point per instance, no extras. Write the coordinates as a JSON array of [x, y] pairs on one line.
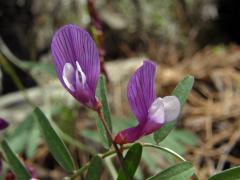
[[172, 108], [68, 76]]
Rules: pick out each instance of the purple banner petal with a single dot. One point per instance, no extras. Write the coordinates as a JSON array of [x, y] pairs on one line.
[[141, 93], [74, 47]]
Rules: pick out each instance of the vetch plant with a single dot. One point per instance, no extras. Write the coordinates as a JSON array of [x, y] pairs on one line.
[[77, 64]]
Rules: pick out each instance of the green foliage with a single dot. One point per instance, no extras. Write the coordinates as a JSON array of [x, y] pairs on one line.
[[25, 136], [102, 133], [36, 67], [177, 140], [163, 132], [16, 165], [33, 139], [54, 142], [94, 170], [229, 174], [131, 161], [101, 94], [181, 91], [64, 119], [180, 171]]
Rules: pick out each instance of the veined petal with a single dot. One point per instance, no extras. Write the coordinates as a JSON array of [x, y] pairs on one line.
[[172, 107], [3, 124], [70, 44], [141, 92]]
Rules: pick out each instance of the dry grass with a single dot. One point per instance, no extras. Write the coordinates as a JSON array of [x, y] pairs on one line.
[[212, 111]]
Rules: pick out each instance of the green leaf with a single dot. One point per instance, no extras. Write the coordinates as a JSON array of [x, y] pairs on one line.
[[55, 144], [33, 139], [131, 161], [95, 168], [44, 68], [180, 171], [181, 91], [229, 174], [101, 94], [16, 165], [25, 136], [102, 133], [36, 67], [104, 101], [163, 132], [19, 138]]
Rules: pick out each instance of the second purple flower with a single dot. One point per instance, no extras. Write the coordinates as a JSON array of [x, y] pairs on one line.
[[151, 112], [77, 63]]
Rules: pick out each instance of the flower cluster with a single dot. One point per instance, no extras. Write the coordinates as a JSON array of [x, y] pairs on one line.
[[77, 65]]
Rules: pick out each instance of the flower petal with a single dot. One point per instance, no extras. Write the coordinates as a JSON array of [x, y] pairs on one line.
[[128, 135], [69, 77], [156, 117], [70, 44], [156, 111], [172, 107], [80, 76], [141, 92], [3, 124]]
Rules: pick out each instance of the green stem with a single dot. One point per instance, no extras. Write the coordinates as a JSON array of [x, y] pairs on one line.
[[176, 155], [80, 171], [109, 134], [11, 72], [113, 152]]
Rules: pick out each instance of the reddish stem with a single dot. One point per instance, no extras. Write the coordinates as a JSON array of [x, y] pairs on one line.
[[109, 134], [97, 24]]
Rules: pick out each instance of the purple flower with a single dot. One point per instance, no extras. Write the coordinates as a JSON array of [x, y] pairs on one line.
[[3, 124], [151, 111], [77, 63]]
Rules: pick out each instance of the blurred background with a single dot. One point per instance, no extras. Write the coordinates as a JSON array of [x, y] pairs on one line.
[[197, 37]]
